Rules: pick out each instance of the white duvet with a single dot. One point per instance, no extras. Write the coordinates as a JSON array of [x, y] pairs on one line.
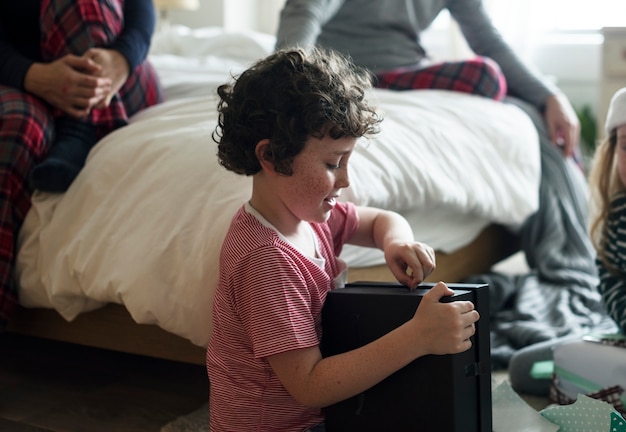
[[143, 223]]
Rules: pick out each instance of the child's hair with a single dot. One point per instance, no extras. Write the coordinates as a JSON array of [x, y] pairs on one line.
[[287, 98], [605, 184]]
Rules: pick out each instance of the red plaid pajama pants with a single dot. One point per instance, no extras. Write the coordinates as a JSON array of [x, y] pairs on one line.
[[27, 122], [480, 75]]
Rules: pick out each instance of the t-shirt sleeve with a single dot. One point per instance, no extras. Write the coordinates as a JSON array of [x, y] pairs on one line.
[[274, 303]]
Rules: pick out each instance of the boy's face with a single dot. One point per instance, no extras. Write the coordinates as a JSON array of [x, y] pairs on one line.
[[320, 171], [620, 153]]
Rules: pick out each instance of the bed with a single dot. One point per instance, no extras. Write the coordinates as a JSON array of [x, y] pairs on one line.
[[127, 258]]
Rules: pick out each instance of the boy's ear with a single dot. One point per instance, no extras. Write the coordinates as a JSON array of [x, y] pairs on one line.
[[264, 155]]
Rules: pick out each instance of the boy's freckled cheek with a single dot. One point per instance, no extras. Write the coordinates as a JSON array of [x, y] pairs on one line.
[[311, 188]]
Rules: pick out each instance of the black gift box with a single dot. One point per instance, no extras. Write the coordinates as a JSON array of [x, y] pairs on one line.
[[440, 393]]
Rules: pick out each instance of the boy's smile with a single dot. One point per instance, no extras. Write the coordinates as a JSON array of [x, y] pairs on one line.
[[320, 172]]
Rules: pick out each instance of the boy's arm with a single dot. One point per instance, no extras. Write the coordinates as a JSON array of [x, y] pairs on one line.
[[436, 328], [410, 261]]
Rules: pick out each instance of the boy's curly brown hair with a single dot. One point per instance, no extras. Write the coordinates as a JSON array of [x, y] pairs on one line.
[[287, 98]]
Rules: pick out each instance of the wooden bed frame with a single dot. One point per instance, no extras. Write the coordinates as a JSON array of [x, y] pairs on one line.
[[112, 327]]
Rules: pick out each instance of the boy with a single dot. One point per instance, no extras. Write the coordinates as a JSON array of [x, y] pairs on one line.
[[291, 122]]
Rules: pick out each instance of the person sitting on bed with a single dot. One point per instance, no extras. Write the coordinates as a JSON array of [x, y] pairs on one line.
[[291, 122], [608, 189], [384, 37], [70, 73]]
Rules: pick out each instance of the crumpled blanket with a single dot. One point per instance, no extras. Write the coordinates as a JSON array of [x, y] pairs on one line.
[[558, 297]]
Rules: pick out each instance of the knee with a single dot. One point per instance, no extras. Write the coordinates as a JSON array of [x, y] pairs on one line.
[[521, 376], [91, 23], [492, 76], [25, 122]]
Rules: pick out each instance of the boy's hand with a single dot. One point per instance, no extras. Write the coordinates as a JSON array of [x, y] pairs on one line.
[[444, 328], [410, 262]]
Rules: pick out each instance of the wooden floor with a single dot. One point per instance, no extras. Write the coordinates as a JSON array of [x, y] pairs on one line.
[[60, 387]]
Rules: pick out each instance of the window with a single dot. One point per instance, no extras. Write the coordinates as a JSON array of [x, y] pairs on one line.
[[579, 15], [551, 15]]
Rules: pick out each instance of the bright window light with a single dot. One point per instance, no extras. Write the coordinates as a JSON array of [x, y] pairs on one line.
[[551, 15], [577, 15]]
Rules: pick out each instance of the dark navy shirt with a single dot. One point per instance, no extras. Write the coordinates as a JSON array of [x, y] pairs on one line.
[[20, 36]]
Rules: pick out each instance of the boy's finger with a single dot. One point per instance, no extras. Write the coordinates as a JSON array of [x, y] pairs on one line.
[[438, 291]]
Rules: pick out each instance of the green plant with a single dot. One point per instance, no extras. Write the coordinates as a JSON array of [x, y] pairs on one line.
[[588, 129]]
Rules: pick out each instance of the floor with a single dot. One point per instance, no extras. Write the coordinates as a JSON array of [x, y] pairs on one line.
[[536, 402], [48, 386], [58, 387]]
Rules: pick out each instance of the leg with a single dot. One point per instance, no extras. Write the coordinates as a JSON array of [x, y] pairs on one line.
[[75, 138], [522, 363], [141, 90], [73, 141], [73, 27], [481, 76], [25, 132]]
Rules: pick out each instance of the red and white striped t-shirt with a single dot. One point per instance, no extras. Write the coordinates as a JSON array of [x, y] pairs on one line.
[[268, 300]]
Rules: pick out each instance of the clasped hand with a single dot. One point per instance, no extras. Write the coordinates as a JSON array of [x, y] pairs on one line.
[[78, 84]]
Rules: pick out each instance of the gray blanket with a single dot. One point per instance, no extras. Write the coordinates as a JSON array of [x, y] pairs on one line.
[[558, 297]]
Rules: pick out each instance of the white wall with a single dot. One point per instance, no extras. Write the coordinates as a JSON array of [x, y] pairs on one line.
[[259, 15], [211, 13], [575, 62]]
